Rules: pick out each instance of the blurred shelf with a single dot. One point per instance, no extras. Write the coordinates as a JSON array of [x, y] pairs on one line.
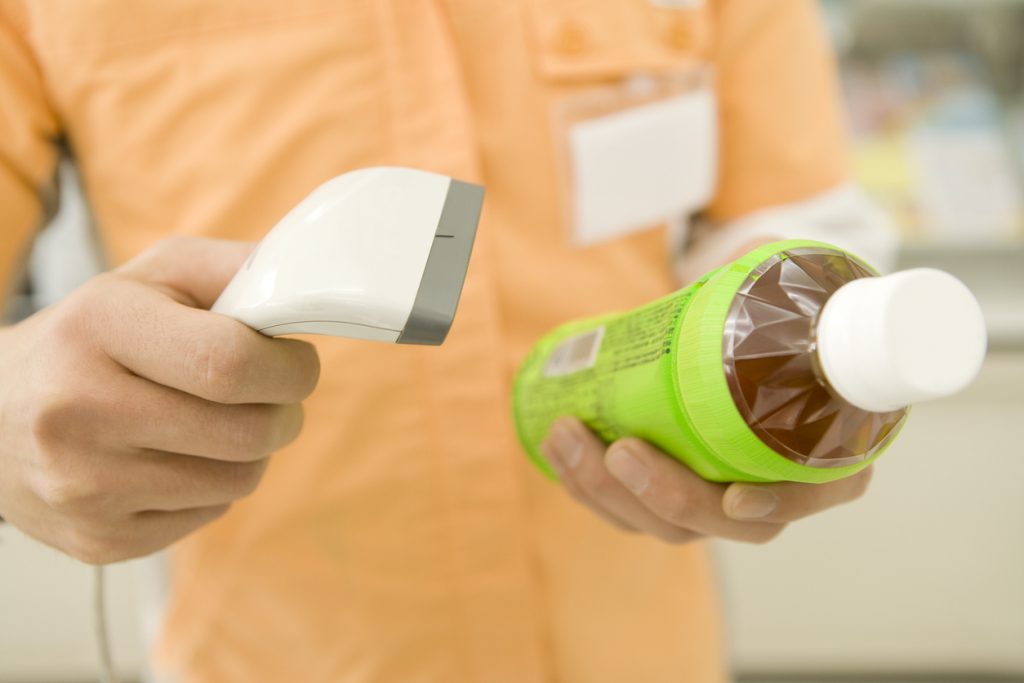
[[957, 5], [1001, 250]]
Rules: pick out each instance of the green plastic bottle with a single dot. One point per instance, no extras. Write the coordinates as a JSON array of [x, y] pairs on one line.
[[796, 362]]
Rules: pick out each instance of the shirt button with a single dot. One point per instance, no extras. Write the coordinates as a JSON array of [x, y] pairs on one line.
[[571, 38]]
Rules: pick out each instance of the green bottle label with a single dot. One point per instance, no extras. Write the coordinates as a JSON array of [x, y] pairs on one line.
[[613, 372]]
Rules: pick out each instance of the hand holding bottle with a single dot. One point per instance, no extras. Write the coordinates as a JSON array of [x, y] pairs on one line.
[[793, 364], [639, 488]]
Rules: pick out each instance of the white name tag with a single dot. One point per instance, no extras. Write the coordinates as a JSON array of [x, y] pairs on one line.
[[637, 167]]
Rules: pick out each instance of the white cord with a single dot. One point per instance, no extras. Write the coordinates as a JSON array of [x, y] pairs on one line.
[[99, 606]]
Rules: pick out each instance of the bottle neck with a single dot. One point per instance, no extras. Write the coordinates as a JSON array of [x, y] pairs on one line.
[[772, 368]]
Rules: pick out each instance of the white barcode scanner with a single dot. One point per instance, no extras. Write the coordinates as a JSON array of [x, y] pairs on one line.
[[378, 253]]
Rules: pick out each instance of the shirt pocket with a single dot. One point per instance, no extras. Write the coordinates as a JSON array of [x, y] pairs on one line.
[[582, 41]]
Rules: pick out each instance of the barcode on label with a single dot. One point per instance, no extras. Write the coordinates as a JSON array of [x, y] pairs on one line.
[[575, 354]]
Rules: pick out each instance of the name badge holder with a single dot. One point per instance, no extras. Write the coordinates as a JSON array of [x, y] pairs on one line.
[[637, 153]]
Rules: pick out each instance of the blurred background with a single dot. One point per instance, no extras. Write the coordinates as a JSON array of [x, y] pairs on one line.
[[923, 580]]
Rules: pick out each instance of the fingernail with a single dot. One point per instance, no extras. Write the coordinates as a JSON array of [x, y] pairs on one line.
[[567, 446], [752, 502], [628, 469]]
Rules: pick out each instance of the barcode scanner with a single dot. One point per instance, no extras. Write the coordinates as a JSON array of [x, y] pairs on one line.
[[378, 253]]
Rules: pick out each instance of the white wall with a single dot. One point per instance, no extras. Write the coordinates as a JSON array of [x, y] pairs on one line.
[[46, 616]]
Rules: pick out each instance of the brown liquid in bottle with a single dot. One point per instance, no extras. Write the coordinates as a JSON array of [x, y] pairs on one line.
[[771, 366]]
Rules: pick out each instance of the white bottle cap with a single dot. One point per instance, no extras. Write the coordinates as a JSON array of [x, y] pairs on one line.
[[886, 342]]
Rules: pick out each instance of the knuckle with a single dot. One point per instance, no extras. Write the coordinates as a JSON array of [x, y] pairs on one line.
[[675, 507], [73, 324], [50, 421], [69, 320], [64, 493], [94, 294], [218, 367]]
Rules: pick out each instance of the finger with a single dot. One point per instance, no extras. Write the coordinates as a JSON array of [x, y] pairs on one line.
[[576, 494], [128, 412], [789, 501], [192, 270], [555, 454], [202, 353], [100, 541], [129, 481], [160, 529], [677, 495], [161, 419], [166, 482], [580, 456]]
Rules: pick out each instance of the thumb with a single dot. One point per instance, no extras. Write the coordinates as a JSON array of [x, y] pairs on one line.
[[191, 270]]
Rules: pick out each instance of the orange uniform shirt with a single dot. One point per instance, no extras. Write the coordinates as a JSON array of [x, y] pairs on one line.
[[404, 537]]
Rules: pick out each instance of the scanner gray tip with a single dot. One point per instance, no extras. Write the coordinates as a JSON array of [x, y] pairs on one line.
[[445, 271]]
